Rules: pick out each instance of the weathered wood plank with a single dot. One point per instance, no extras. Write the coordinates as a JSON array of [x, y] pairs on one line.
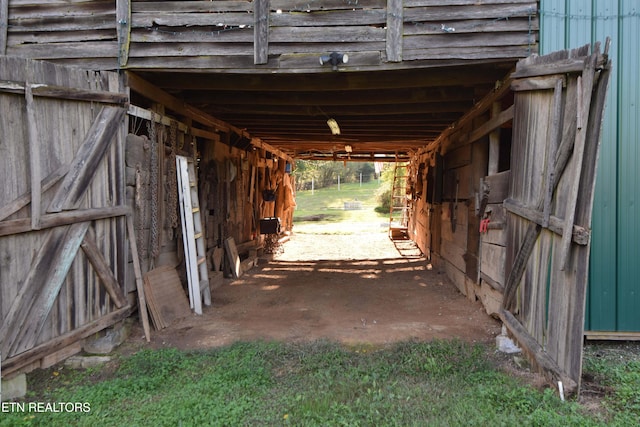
[[260, 31], [123, 21], [538, 83], [581, 235], [88, 157], [31, 307], [217, 6], [61, 92], [23, 225], [4, 21], [35, 166], [394, 30], [103, 270], [585, 89], [495, 122], [142, 302], [476, 11]]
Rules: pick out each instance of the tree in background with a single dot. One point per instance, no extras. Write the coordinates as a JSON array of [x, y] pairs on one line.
[[325, 173]]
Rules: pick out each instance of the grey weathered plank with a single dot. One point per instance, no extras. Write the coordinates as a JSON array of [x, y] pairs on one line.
[[123, 25], [23, 225], [61, 92], [4, 20], [142, 302], [394, 30], [585, 89], [88, 157], [260, 31], [103, 270], [35, 166]]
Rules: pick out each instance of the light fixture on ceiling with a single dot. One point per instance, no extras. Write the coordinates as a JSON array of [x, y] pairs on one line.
[[334, 58], [333, 125]]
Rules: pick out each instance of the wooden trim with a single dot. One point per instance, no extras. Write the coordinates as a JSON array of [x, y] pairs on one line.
[[61, 92], [35, 172], [581, 235], [613, 336], [538, 83], [23, 225], [551, 369], [261, 31], [13, 364], [395, 26], [4, 25], [123, 24]]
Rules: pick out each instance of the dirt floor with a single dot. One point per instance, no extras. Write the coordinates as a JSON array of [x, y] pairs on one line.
[[356, 289]]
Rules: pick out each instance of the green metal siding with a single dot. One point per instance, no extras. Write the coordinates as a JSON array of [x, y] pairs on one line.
[[614, 287]]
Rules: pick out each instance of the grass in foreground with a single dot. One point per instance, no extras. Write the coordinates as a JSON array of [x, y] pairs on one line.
[[441, 383]]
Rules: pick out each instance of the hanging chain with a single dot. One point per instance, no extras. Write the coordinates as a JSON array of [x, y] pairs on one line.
[[139, 197], [172, 181], [154, 243]]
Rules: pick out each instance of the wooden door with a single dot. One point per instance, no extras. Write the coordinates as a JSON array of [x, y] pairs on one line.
[[62, 207], [559, 102]]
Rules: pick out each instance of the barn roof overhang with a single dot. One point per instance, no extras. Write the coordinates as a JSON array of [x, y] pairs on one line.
[[381, 115]]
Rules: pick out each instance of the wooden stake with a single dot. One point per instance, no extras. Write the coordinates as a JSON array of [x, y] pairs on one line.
[[142, 302]]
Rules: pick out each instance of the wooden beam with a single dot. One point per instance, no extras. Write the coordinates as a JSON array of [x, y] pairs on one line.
[[103, 271], [86, 160], [496, 121], [395, 26], [61, 92], [581, 235], [494, 140], [123, 24], [4, 25], [261, 31], [35, 166], [23, 225]]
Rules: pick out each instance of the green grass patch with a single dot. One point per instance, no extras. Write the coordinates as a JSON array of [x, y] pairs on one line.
[[439, 383]]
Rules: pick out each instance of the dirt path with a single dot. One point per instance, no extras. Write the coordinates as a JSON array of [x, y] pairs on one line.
[[355, 289]]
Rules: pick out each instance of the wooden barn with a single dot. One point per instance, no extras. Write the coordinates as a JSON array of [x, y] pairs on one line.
[[139, 135]]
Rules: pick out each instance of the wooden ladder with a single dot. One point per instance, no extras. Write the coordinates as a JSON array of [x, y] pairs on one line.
[[192, 235], [398, 206]]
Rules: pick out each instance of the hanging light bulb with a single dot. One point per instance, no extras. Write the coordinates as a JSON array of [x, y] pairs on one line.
[[333, 125]]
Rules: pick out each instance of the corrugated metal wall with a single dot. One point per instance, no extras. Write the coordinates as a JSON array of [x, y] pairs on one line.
[[613, 301]]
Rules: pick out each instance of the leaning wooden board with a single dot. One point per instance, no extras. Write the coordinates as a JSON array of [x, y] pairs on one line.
[[166, 298]]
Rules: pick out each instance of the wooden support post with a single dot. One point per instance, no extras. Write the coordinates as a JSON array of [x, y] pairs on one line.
[[494, 142], [34, 159], [123, 24], [394, 30], [4, 24], [142, 301], [261, 31]]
